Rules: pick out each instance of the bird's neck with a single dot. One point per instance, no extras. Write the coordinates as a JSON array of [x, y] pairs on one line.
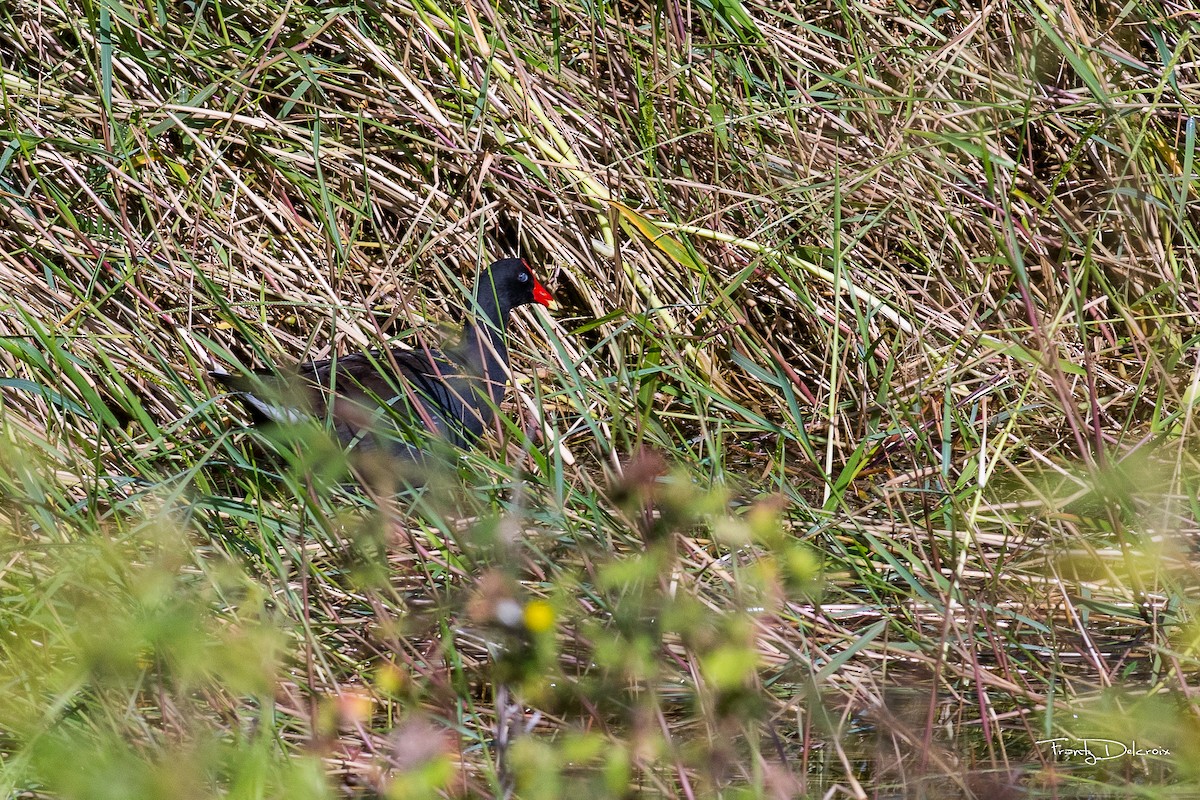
[[483, 349]]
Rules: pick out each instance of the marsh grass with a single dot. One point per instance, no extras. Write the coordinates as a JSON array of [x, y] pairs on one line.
[[858, 460]]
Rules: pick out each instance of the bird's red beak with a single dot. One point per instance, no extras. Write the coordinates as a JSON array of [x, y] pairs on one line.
[[540, 295]]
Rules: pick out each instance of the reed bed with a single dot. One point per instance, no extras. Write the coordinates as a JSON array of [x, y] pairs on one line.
[[857, 460]]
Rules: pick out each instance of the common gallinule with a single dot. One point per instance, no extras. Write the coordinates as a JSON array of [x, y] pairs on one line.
[[396, 398]]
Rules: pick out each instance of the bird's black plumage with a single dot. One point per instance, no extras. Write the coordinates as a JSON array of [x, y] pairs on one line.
[[401, 396]]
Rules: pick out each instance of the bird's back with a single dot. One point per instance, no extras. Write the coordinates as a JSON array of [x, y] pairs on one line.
[[397, 396]]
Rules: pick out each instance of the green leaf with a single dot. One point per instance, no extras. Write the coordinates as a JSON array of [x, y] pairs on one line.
[[671, 247]]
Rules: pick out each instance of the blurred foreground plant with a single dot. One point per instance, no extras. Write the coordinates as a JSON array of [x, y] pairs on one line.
[[658, 658], [133, 664]]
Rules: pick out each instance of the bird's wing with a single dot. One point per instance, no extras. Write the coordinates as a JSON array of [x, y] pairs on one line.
[[420, 387]]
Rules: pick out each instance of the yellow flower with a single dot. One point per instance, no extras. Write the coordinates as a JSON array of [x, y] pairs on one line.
[[539, 616]]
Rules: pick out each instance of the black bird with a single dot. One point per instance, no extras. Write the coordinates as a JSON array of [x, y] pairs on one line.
[[396, 398]]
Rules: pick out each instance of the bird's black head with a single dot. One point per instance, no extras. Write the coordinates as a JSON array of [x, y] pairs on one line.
[[514, 284]]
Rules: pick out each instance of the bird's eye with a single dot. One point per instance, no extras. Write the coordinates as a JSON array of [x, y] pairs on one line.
[[523, 277]]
